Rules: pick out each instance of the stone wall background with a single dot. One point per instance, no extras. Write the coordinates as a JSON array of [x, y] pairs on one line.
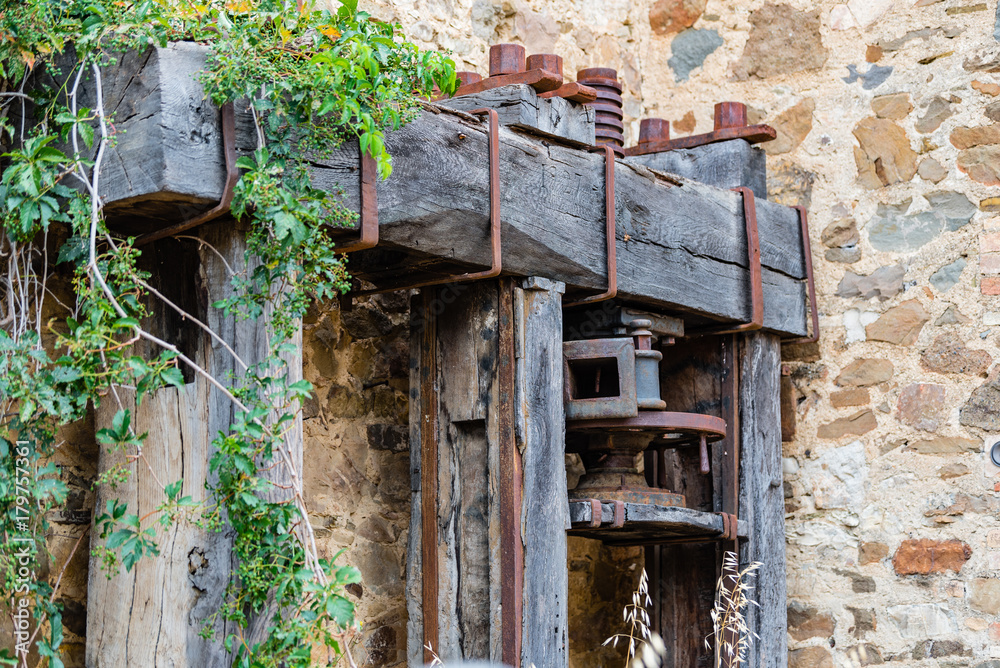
[[887, 116]]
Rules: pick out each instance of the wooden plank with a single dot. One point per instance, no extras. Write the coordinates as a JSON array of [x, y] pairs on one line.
[[646, 524], [519, 105], [681, 244], [541, 438], [762, 504], [416, 631], [728, 164]]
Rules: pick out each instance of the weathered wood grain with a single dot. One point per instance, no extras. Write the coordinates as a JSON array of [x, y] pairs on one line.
[[541, 425], [520, 106], [646, 524], [680, 247], [762, 504], [729, 164], [681, 244]]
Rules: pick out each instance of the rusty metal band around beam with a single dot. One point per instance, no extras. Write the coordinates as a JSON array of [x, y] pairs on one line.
[[511, 487], [609, 225], [810, 280], [496, 249], [429, 476], [232, 178], [369, 206], [756, 273]]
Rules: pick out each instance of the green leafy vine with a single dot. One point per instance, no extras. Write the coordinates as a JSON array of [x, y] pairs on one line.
[[312, 79]]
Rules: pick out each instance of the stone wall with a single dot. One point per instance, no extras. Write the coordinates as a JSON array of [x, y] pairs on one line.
[[887, 113]]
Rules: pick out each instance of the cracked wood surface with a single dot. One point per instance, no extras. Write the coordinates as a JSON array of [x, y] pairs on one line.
[[152, 615], [681, 245]]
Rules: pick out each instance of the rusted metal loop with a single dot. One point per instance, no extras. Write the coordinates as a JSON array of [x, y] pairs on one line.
[[232, 178], [595, 513], [810, 280], [369, 206], [496, 267], [619, 515], [609, 217], [729, 527], [756, 273]]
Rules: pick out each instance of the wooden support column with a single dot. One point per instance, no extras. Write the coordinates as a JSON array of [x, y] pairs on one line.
[[486, 566], [542, 441], [152, 615], [762, 503]]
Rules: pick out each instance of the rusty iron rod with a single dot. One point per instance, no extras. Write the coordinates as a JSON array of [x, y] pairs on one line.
[[756, 273], [609, 217], [429, 476], [232, 178], [810, 279], [511, 488], [496, 249], [369, 207]]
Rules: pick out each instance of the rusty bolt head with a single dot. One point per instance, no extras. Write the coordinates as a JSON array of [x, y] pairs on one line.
[[653, 129], [466, 78], [730, 115], [506, 59], [597, 73], [545, 61]]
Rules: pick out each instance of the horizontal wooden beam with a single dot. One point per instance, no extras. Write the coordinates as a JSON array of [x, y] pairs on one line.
[[681, 244]]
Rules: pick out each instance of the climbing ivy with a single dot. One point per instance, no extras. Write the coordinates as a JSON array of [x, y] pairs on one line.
[[312, 78]]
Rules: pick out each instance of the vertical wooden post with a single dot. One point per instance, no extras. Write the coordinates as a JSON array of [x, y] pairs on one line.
[[762, 503], [154, 613], [486, 568], [541, 435]]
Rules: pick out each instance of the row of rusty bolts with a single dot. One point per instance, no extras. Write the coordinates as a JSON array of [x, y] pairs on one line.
[[508, 59]]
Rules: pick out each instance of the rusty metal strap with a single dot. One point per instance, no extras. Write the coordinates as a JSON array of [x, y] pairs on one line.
[[496, 256], [609, 228], [369, 206], [810, 280], [756, 272], [596, 513], [232, 178], [729, 527]]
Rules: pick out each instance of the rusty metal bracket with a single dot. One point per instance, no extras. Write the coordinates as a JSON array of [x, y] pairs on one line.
[[232, 178], [496, 249], [753, 134], [756, 273], [729, 527], [595, 513], [542, 81], [618, 520], [609, 216], [369, 206], [577, 92], [810, 279]]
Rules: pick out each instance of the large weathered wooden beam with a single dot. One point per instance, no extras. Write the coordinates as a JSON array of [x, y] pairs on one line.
[[681, 244]]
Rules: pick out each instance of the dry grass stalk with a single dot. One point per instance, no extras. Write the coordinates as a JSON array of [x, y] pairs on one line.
[[732, 597], [639, 636]]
